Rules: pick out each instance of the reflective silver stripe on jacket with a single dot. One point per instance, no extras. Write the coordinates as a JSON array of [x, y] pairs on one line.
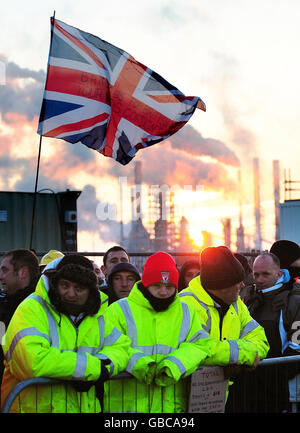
[[250, 326], [207, 327], [106, 341], [235, 306], [46, 282], [82, 349], [131, 326], [101, 324], [177, 362], [21, 334], [133, 360], [156, 349], [112, 337], [234, 352], [81, 362], [200, 334], [185, 323], [54, 338]]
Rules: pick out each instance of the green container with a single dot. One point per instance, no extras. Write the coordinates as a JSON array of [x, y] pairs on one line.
[[55, 222]]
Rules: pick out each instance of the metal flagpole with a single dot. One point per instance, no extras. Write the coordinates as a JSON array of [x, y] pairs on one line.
[[35, 188], [35, 193]]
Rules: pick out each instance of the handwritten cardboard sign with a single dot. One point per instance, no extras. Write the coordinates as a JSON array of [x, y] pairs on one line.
[[208, 391]]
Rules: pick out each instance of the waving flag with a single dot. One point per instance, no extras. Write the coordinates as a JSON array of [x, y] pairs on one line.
[[100, 96]]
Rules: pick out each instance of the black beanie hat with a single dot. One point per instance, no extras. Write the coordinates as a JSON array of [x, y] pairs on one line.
[[75, 259], [286, 251], [128, 267], [78, 269], [81, 275], [244, 262], [219, 268]]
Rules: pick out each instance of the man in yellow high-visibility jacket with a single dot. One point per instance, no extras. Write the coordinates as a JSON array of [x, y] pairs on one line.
[[238, 338], [59, 332], [167, 343]]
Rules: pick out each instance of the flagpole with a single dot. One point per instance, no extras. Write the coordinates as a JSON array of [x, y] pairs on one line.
[[35, 193], [36, 184]]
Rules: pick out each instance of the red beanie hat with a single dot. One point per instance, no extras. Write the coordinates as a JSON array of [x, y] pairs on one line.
[[160, 268]]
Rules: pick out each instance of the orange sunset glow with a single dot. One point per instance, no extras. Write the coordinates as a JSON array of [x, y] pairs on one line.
[[201, 161], [196, 236], [204, 202]]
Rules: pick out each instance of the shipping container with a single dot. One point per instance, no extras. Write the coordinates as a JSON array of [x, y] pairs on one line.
[[290, 220], [55, 221]]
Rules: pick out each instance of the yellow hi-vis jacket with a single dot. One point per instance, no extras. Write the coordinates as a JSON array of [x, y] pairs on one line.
[[39, 341], [166, 347], [238, 338]]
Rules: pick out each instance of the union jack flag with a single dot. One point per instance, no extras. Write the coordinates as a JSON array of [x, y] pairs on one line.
[[100, 96]]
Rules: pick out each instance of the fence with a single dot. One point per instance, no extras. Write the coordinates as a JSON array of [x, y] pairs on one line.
[[41, 381], [273, 386]]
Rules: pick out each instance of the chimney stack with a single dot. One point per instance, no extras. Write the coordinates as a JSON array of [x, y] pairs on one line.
[[276, 184], [257, 203], [138, 188], [240, 239], [227, 232]]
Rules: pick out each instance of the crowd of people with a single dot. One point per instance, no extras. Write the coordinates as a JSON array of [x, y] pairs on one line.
[[71, 320]]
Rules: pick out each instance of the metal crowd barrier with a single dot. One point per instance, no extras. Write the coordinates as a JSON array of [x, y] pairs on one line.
[[255, 391], [120, 389], [273, 387], [23, 385], [37, 381]]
